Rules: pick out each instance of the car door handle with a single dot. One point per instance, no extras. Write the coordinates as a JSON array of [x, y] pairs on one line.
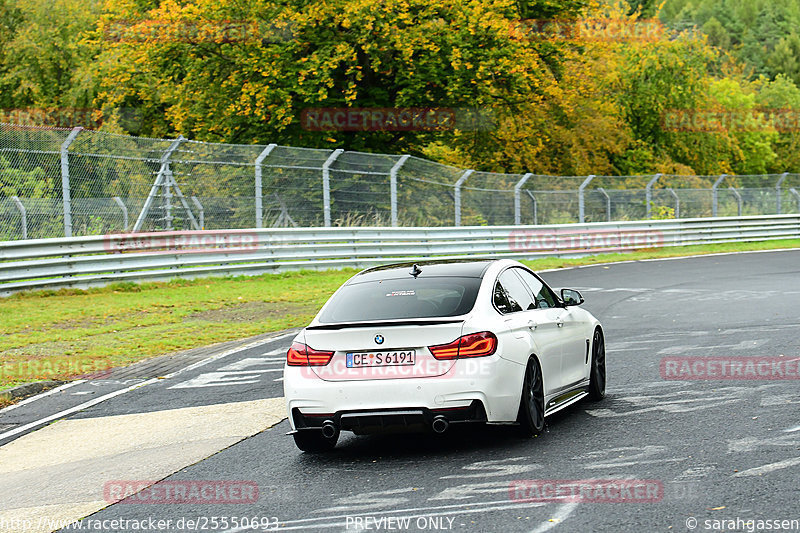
[[531, 325], [560, 323]]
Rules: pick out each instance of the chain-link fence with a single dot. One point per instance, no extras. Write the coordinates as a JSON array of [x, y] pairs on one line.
[[64, 182]]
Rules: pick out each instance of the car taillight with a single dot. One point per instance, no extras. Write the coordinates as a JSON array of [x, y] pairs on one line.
[[301, 355], [472, 345]]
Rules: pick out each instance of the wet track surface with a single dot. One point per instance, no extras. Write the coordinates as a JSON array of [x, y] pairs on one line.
[[717, 450]]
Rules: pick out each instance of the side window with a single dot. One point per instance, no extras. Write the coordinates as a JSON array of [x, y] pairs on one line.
[[544, 296], [501, 300], [510, 294]]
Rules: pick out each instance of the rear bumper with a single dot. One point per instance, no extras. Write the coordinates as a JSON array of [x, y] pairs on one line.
[[493, 382], [389, 420]]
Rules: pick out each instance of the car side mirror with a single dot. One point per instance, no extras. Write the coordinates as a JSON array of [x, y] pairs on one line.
[[571, 297]]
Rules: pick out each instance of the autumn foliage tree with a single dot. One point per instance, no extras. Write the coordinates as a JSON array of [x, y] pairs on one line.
[[555, 103]]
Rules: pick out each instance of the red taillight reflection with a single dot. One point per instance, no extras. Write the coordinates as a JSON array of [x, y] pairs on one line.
[[472, 345], [301, 355]]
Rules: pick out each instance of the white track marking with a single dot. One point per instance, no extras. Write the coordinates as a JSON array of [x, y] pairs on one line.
[[562, 514], [496, 468], [759, 470], [751, 444], [232, 351], [236, 373], [42, 395], [792, 430], [414, 512], [248, 362], [225, 379], [114, 394], [73, 410], [749, 344]]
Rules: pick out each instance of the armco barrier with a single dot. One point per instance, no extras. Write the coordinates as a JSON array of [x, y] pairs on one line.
[[102, 259]]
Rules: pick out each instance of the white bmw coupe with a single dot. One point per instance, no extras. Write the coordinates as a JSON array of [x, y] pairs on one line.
[[425, 345]]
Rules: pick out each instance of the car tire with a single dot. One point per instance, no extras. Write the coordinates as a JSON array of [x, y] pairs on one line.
[[531, 408], [597, 374], [312, 441]]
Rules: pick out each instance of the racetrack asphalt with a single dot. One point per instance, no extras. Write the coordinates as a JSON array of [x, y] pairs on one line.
[[718, 450]]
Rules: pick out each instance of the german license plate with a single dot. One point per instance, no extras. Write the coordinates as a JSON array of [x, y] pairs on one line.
[[393, 358]]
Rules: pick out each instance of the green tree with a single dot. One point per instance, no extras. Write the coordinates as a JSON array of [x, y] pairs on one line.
[[750, 29], [10, 19], [29, 184], [399, 53], [44, 62], [785, 58], [782, 96], [750, 139], [717, 34]]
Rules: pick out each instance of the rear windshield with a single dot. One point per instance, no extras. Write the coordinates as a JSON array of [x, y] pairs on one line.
[[391, 299]]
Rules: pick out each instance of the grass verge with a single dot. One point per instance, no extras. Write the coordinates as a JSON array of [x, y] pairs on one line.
[[62, 334]]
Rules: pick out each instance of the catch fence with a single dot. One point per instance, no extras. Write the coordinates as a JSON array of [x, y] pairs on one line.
[[57, 182]]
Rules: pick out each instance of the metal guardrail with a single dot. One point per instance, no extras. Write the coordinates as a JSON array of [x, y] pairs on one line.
[[61, 182], [99, 260]]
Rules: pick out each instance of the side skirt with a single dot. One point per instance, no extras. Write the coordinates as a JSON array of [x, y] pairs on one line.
[[565, 400]]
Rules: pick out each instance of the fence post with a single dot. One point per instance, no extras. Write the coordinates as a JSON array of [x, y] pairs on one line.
[[518, 200], [535, 207], [778, 193], [162, 173], [581, 204], [259, 193], [797, 197], [200, 210], [23, 215], [715, 194], [65, 186], [168, 200], [393, 187], [608, 203], [124, 210], [457, 198], [648, 192], [738, 200], [677, 202], [326, 185]]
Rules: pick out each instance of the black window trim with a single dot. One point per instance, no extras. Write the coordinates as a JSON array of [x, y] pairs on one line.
[[558, 301], [556, 298], [524, 285]]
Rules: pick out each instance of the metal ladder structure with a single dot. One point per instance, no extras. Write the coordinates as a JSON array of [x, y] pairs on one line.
[[165, 181]]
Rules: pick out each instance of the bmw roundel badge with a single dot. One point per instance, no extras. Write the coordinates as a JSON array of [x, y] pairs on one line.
[[378, 339]]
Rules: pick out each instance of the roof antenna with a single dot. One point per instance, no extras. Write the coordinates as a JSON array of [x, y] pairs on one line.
[[416, 270]]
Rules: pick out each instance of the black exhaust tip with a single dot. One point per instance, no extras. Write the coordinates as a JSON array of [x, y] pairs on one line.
[[440, 424], [328, 429]]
